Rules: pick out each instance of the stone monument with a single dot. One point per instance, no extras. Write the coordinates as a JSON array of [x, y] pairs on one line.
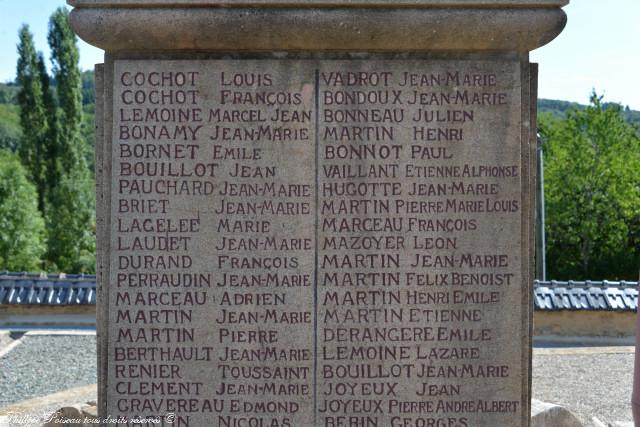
[[316, 212]]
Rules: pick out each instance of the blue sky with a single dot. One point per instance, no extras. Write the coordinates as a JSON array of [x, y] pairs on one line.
[[599, 49]]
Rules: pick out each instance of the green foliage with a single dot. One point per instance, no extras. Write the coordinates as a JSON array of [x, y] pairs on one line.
[[8, 93], [592, 189], [88, 88], [71, 224], [55, 144], [10, 130], [559, 109], [33, 118], [89, 137], [64, 57], [53, 150], [71, 209], [22, 240]]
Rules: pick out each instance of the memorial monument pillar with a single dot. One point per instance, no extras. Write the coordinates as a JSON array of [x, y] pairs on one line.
[[316, 213]]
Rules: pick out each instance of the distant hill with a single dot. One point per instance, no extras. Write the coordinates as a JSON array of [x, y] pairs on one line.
[[560, 108], [9, 91]]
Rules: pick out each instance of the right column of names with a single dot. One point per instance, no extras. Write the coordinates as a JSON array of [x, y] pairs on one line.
[[419, 283]]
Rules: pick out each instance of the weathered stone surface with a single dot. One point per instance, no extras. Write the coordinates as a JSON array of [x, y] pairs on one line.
[[313, 232], [326, 3], [545, 414], [265, 26], [291, 238]]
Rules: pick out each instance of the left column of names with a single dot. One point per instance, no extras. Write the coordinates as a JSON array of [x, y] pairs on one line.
[[212, 243]]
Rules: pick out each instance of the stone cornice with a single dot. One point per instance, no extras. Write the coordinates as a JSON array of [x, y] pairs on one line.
[[318, 25], [320, 3]]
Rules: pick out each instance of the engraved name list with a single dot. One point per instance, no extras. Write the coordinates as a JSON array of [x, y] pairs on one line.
[[316, 243]]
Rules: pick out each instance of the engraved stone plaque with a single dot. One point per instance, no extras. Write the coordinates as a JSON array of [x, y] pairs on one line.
[[316, 243]]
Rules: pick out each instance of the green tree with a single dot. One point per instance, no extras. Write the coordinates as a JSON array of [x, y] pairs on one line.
[[53, 165], [71, 210], [10, 130], [88, 88], [592, 189], [33, 118], [71, 224], [64, 57], [8, 93], [22, 239]]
